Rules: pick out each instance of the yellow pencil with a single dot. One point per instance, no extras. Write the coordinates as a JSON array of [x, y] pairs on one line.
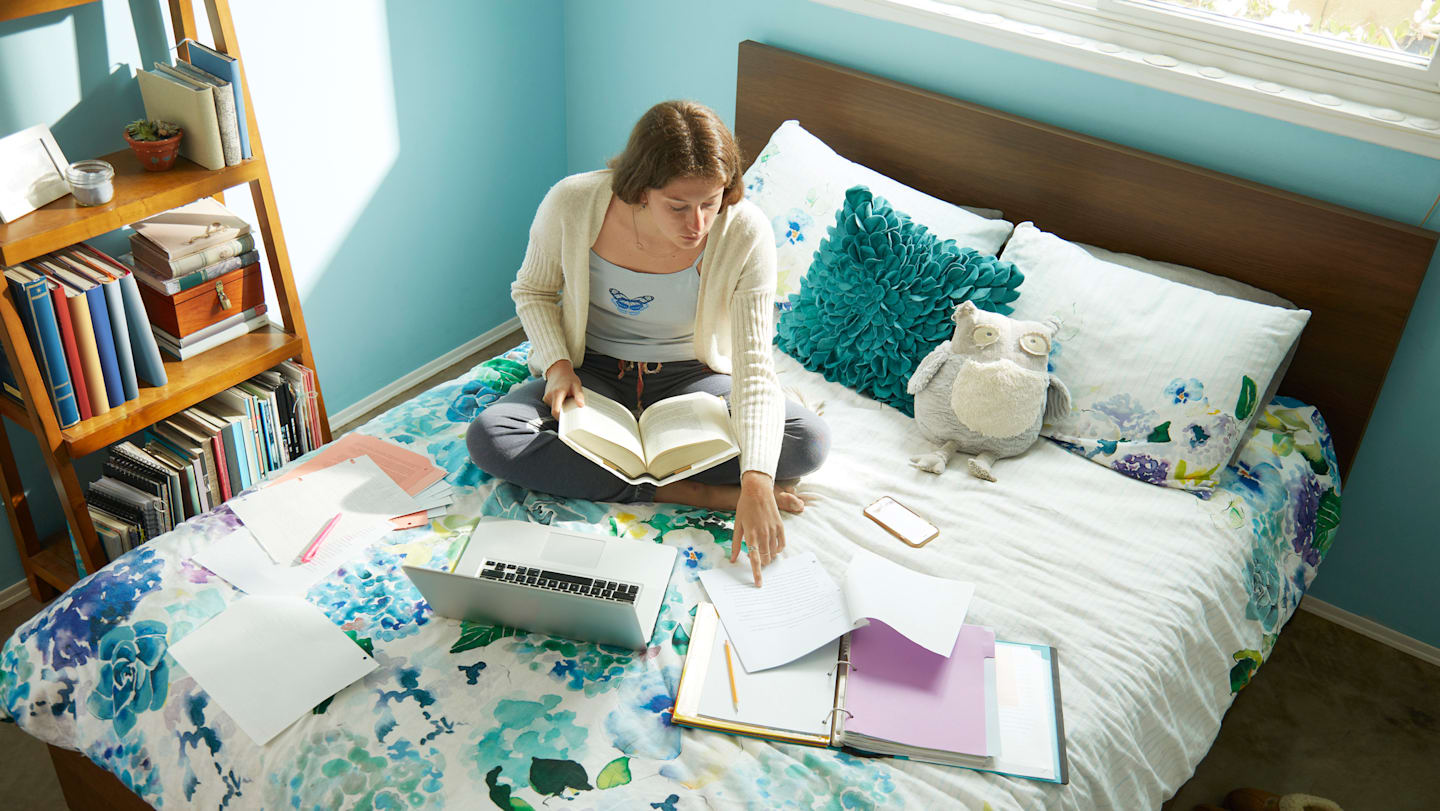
[[729, 668]]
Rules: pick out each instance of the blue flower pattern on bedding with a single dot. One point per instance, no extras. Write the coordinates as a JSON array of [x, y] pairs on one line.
[[457, 711]]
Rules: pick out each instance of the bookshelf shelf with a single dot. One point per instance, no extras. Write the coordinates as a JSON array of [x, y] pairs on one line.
[[55, 562], [15, 9], [50, 563], [138, 194]]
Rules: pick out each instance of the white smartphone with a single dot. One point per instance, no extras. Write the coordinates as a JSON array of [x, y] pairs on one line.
[[902, 522]]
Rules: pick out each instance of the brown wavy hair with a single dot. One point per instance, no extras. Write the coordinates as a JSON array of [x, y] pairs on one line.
[[676, 139]]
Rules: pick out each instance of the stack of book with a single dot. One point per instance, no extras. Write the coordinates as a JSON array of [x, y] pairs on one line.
[[205, 98], [200, 276], [193, 461], [89, 329]]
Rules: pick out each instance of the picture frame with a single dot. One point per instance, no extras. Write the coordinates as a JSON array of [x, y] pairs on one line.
[[32, 172]]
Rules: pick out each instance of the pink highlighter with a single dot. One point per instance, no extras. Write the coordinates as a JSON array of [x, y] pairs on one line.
[[310, 550]]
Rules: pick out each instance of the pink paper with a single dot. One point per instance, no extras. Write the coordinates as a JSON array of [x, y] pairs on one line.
[[898, 691], [412, 471]]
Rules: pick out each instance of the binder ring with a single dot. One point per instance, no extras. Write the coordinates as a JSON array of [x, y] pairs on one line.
[[830, 716], [846, 662]]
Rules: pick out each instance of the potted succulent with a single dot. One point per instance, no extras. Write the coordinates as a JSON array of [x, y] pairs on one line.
[[155, 143]]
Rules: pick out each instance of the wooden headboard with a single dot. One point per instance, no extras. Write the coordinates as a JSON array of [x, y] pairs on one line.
[[1356, 272]]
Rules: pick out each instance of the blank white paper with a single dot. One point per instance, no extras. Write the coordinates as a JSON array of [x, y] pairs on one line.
[[269, 660], [926, 610], [797, 697], [239, 559]]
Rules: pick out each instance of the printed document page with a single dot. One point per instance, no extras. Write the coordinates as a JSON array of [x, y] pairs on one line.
[[1025, 699], [799, 609]]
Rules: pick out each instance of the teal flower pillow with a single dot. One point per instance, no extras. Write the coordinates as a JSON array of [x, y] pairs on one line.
[[878, 297]]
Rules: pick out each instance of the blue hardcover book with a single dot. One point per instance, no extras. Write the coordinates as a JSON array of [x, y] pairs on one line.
[[37, 313], [121, 330], [138, 339], [142, 341], [228, 68], [105, 345]]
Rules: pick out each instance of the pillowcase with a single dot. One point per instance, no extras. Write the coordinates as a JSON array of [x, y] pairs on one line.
[[1220, 285], [799, 183], [879, 297], [1163, 377]]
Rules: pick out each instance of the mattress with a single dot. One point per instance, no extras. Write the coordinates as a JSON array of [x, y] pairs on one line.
[[1161, 605]]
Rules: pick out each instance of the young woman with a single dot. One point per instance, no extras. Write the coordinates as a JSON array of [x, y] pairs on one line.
[[646, 280]]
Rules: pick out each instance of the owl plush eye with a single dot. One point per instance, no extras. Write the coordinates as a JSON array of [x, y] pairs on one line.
[[1035, 344], [984, 336]]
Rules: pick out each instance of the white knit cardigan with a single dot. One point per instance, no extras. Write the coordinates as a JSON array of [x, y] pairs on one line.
[[734, 320]]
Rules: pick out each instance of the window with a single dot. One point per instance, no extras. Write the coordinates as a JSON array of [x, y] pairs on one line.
[[1361, 68], [1386, 39]]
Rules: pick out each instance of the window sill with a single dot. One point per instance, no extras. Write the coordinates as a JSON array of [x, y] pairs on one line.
[[1322, 111]]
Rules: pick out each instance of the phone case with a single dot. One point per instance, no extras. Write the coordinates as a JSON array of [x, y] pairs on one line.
[[871, 515]]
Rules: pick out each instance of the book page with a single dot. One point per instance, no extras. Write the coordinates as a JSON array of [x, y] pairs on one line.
[[605, 429], [687, 421]]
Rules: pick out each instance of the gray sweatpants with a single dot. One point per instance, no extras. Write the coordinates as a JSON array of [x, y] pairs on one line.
[[516, 437]]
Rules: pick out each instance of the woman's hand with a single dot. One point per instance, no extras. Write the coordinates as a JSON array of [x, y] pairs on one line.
[[757, 522], [561, 383]]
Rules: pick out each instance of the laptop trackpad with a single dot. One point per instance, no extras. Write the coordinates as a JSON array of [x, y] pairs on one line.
[[572, 551]]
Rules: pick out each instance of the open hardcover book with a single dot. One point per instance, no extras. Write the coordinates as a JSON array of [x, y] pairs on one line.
[[674, 438], [990, 706]]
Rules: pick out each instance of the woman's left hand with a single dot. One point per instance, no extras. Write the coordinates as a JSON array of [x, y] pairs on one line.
[[757, 522]]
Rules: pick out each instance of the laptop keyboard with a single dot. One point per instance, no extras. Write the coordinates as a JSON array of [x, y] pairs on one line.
[[614, 590]]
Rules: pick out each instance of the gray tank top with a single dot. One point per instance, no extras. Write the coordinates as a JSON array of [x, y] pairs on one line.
[[642, 316]]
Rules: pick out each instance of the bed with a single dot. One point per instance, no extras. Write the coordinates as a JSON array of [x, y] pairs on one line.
[[1157, 628]]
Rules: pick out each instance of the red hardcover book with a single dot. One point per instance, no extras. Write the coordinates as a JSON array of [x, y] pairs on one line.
[[72, 349]]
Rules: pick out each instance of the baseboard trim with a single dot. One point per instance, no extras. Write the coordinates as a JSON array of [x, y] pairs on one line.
[[353, 412], [14, 594], [1372, 629]]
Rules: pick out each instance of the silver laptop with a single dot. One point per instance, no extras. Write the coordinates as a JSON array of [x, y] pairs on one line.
[[578, 585]]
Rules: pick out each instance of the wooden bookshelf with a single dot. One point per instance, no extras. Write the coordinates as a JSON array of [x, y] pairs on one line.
[[50, 563], [138, 194]]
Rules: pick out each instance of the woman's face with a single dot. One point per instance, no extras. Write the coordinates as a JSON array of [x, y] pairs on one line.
[[684, 209]]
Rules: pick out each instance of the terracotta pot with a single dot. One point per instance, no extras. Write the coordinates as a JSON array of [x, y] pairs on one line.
[[156, 156]]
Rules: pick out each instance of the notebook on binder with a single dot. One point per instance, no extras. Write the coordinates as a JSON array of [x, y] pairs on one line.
[[992, 706]]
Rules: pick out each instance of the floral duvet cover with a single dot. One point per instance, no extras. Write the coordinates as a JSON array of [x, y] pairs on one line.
[[466, 715]]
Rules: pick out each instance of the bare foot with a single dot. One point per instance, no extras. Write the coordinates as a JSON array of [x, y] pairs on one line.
[[723, 496]]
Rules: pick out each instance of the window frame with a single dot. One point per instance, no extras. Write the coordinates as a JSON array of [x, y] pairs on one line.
[[1335, 55], [1385, 111]]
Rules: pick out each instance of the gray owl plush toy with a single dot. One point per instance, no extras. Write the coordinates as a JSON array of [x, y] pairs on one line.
[[986, 391]]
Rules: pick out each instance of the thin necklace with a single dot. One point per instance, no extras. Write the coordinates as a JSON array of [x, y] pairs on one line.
[[638, 244]]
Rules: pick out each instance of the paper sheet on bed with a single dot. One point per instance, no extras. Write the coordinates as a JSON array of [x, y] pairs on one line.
[[286, 517], [239, 559], [269, 660], [801, 608], [413, 472]]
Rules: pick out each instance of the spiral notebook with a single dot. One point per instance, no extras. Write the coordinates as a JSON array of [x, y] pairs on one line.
[[991, 705]]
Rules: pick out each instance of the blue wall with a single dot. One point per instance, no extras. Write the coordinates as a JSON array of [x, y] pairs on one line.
[[621, 57], [477, 137]]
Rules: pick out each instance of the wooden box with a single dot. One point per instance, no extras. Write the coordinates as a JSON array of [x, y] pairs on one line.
[[203, 305]]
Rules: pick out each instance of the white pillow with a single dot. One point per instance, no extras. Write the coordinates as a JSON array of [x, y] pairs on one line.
[[800, 183], [1163, 377]]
